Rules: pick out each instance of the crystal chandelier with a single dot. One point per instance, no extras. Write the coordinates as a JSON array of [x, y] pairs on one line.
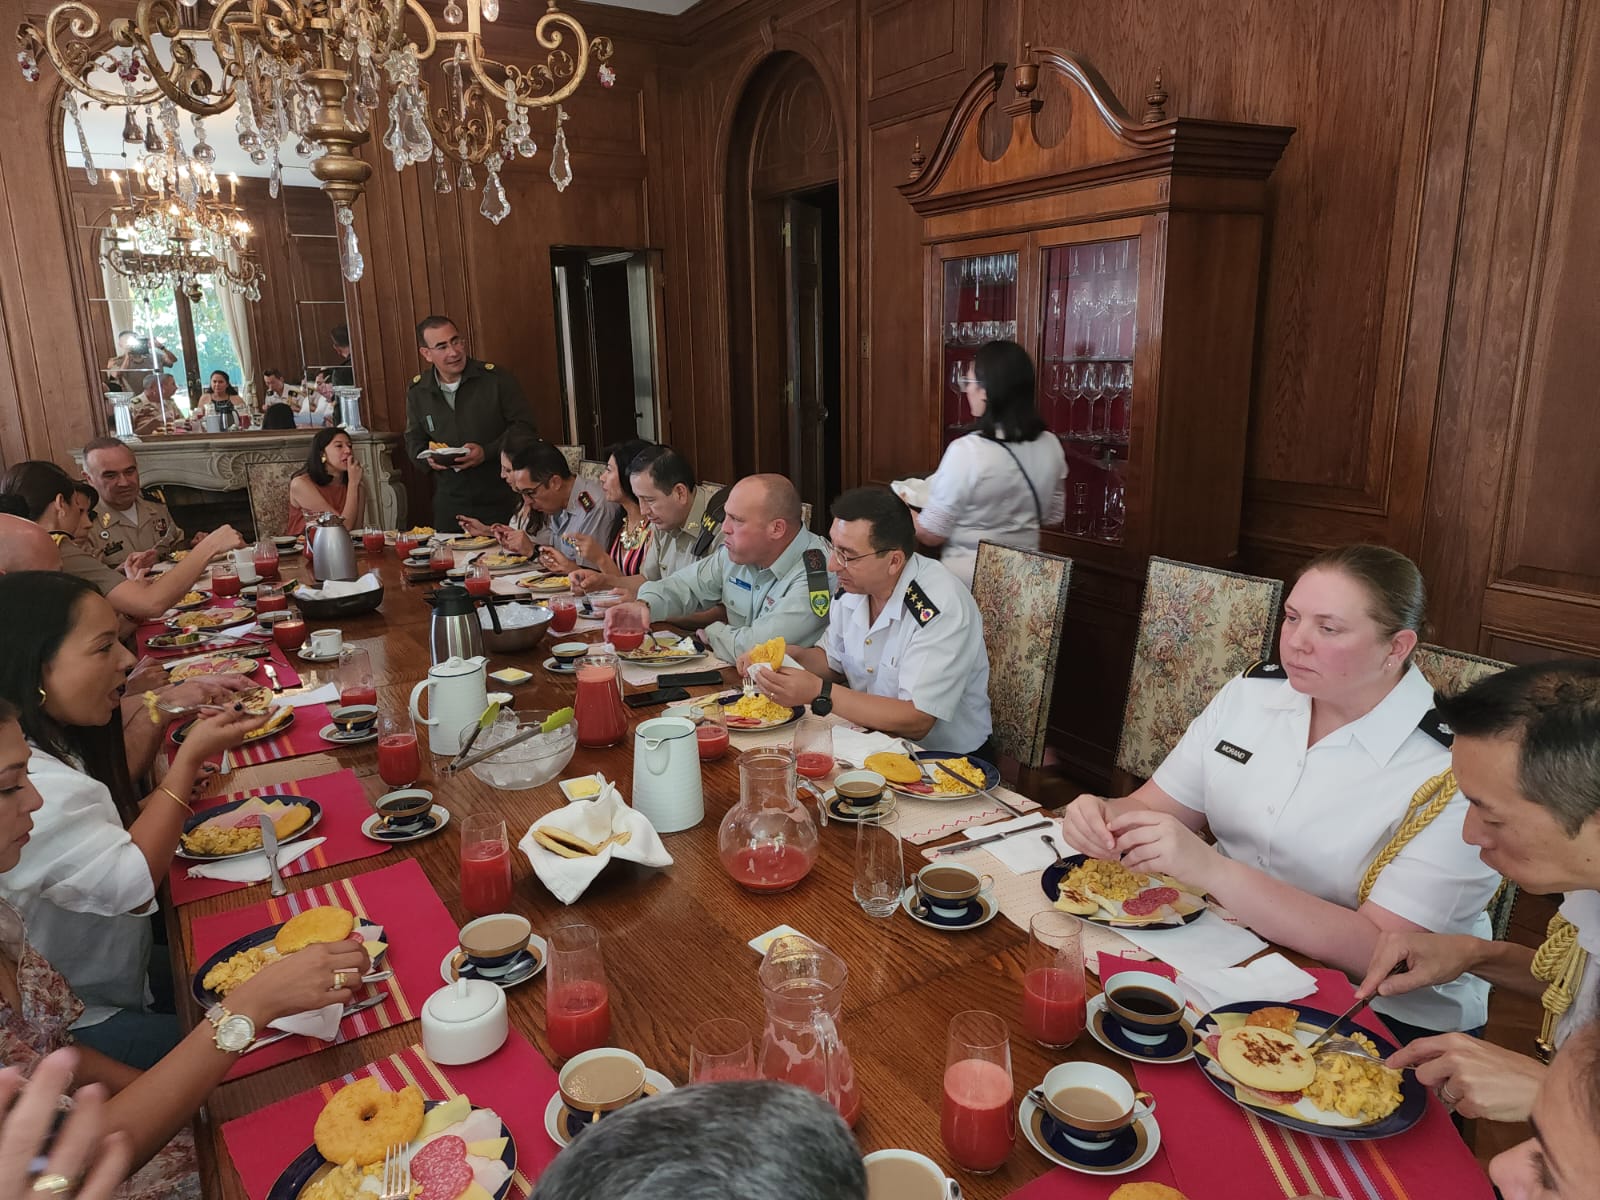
[[317, 71]]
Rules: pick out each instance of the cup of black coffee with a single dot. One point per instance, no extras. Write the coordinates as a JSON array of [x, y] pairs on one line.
[[1146, 1006], [355, 720], [860, 789], [405, 811]]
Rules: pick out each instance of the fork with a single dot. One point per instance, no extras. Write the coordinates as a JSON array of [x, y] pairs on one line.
[[396, 1174]]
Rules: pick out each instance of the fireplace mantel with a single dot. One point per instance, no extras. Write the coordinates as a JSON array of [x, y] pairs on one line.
[[220, 463]]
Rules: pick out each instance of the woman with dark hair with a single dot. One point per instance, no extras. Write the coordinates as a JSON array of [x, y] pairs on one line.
[[1005, 479], [51, 495], [278, 416], [625, 556], [1322, 779], [147, 1111], [218, 398], [329, 482], [99, 849]]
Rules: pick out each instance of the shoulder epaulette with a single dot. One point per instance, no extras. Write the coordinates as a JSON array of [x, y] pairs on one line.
[[1434, 727], [154, 492], [1264, 670], [488, 366]]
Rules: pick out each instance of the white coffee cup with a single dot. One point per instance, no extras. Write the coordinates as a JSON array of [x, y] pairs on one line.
[[247, 573], [899, 1169], [326, 642], [1092, 1133]]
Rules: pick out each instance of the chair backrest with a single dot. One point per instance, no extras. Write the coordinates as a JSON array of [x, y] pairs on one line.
[[573, 455], [591, 470], [1022, 596], [1198, 628], [269, 495], [1449, 671]]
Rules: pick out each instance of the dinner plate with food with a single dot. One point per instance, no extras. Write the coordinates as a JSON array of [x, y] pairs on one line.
[[212, 618], [279, 720], [191, 601], [922, 777], [1107, 893], [750, 714], [243, 957], [545, 583], [499, 564], [455, 1150], [1256, 1055], [217, 664], [472, 542], [230, 830], [660, 650]]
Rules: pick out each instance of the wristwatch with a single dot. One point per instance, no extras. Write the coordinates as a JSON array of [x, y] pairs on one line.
[[823, 704], [234, 1031]]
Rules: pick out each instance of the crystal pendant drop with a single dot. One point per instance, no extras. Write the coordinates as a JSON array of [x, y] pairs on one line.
[[71, 105], [495, 206], [464, 179], [453, 13], [29, 62], [351, 264], [275, 178], [560, 160], [152, 139], [204, 152], [491, 10], [441, 174], [130, 127]]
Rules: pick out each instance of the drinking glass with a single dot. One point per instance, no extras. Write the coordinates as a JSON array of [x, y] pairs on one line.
[[479, 581], [978, 1120], [958, 377], [1053, 995], [1092, 387], [1122, 399], [577, 1011], [356, 683], [372, 541], [721, 1049], [880, 865], [627, 630], [265, 558], [224, 578], [485, 864], [813, 747], [442, 558], [563, 616], [711, 730], [399, 758], [1115, 509], [1080, 522], [289, 633], [271, 599]]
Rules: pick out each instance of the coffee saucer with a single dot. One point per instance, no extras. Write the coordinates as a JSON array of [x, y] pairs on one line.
[[1128, 1151], [555, 668], [524, 965], [1175, 1047], [438, 817], [562, 1124], [851, 814], [331, 733], [977, 911], [305, 655]]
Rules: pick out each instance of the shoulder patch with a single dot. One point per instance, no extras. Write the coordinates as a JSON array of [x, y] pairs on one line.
[[816, 564], [710, 522], [586, 501], [1436, 728], [1264, 670], [57, 536], [154, 492], [918, 605]]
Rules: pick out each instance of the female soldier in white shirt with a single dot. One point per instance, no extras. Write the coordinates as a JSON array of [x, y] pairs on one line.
[[1003, 480], [1305, 773]]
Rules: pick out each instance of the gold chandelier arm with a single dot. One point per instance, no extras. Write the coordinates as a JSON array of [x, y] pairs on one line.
[[542, 84], [68, 41], [184, 81]]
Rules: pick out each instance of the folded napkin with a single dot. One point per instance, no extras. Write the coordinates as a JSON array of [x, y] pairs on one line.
[[323, 1023], [1270, 977], [913, 491], [594, 821], [1208, 942], [328, 693], [241, 629], [1025, 853], [853, 745], [335, 588], [252, 868]]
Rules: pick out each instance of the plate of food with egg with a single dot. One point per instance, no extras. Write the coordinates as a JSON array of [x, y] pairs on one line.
[[934, 774], [750, 714], [256, 701], [211, 618], [243, 957], [660, 650], [1107, 893], [219, 664], [1256, 1055], [230, 830]]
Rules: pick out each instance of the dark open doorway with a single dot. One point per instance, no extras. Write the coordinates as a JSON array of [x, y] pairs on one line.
[[606, 343], [811, 237]]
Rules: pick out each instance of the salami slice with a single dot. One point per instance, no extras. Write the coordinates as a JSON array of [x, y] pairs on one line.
[[441, 1169], [1149, 900]]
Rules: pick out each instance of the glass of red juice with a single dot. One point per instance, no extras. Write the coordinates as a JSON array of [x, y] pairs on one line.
[[577, 1000], [372, 541], [625, 629], [443, 558], [479, 582], [266, 559], [356, 683], [399, 757], [404, 544], [721, 1049], [485, 864], [1053, 993], [563, 616], [271, 599], [978, 1118], [813, 747], [711, 731], [224, 579], [290, 633]]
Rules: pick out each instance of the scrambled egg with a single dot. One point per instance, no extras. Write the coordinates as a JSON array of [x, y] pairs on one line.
[[758, 708], [211, 838], [420, 531], [503, 560], [191, 598], [1109, 879], [943, 785], [1360, 1088], [208, 620], [227, 975], [342, 1183]]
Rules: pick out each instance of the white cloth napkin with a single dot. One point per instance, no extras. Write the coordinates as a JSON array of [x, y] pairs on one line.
[[252, 868], [241, 629], [323, 1023], [913, 491], [328, 693], [593, 821], [1025, 853], [335, 588], [1206, 943], [853, 745], [1271, 977]]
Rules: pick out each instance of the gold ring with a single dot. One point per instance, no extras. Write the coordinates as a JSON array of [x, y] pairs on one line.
[[338, 980], [56, 1185]]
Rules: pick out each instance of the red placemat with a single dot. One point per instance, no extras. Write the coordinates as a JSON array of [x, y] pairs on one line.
[[1220, 1149], [344, 807], [152, 629], [302, 737], [515, 1081], [1062, 1184], [287, 676], [415, 924]]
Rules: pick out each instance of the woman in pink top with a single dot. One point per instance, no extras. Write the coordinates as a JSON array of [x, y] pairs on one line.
[[330, 482]]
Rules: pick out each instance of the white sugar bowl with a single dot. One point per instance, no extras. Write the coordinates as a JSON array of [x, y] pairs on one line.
[[464, 1021]]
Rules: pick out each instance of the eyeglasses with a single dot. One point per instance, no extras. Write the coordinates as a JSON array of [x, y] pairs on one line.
[[454, 343], [850, 560], [531, 493]]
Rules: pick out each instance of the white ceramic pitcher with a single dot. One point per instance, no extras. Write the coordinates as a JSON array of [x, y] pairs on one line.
[[666, 774], [458, 692]]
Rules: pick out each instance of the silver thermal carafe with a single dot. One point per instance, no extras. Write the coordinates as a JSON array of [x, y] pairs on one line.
[[454, 629]]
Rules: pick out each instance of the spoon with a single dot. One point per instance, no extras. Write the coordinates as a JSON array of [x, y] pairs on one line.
[[1051, 842]]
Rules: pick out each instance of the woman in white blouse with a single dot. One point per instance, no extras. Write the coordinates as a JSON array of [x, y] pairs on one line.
[[1006, 478], [86, 883], [1305, 772]]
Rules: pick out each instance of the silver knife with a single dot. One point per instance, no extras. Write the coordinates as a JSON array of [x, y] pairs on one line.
[[349, 1010], [269, 843], [271, 671], [963, 847], [984, 792]]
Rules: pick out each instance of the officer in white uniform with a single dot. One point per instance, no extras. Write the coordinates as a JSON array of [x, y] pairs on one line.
[[770, 574], [1317, 817], [904, 639]]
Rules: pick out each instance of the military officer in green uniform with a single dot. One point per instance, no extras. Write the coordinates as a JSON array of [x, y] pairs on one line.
[[461, 402], [132, 521], [770, 575]]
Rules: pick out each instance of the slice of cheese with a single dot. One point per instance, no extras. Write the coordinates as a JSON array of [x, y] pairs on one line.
[[488, 1148], [442, 1116], [474, 1192]]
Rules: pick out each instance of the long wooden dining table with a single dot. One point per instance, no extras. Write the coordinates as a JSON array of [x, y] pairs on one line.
[[674, 939]]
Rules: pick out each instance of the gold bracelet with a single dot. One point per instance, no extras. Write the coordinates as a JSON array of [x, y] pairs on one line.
[[175, 796]]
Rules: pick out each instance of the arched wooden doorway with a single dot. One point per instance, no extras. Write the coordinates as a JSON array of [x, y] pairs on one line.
[[783, 278]]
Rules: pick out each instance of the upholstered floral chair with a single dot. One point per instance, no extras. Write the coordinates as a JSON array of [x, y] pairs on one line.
[[1022, 595], [574, 457], [1452, 670], [269, 495], [590, 470], [1198, 628]]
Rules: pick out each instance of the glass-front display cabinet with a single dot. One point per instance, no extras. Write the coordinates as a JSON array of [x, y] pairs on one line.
[[1124, 254]]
